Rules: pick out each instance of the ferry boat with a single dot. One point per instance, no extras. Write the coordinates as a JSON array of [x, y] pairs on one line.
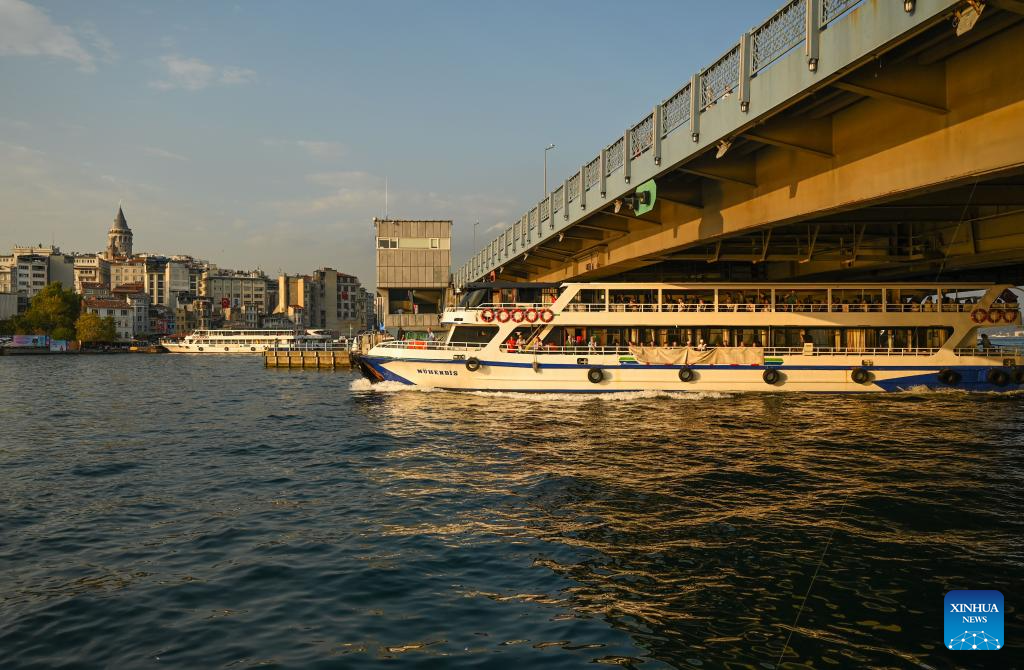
[[240, 341], [607, 337]]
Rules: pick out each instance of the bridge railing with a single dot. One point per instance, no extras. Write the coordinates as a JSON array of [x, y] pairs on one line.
[[797, 22]]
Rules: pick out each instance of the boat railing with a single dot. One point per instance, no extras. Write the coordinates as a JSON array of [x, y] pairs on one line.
[[819, 307], [510, 305], [432, 346], [585, 350]]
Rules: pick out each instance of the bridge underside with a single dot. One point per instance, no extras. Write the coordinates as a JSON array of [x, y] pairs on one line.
[[907, 166]]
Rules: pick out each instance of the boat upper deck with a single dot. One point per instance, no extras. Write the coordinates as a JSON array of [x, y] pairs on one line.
[[748, 298]]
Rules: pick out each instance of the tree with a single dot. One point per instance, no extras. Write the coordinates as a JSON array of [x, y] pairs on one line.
[[51, 312], [91, 328], [7, 326]]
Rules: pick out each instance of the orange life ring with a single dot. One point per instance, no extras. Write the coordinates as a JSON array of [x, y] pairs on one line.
[[995, 315], [531, 315], [502, 316], [979, 315], [1010, 315], [546, 315], [517, 315], [417, 344], [487, 315]]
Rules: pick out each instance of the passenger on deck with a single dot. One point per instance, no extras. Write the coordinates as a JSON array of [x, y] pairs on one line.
[[701, 345], [985, 344], [511, 344]]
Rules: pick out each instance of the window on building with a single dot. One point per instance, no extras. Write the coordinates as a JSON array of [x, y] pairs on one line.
[[387, 243], [435, 243]]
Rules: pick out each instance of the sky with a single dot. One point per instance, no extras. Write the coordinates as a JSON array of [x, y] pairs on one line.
[[265, 134]]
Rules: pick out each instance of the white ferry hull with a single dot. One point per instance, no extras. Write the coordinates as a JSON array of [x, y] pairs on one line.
[[517, 373]]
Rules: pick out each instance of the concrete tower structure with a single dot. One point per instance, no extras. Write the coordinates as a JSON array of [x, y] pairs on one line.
[[119, 239]]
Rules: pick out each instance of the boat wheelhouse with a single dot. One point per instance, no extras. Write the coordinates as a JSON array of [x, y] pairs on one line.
[[600, 337], [240, 341]]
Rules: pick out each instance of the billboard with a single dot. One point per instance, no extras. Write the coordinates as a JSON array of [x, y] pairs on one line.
[[40, 341]]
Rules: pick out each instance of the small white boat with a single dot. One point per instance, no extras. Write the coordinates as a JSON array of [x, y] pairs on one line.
[[604, 337], [240, 341]]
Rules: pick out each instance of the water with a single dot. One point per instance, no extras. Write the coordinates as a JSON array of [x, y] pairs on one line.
[[202, 512]]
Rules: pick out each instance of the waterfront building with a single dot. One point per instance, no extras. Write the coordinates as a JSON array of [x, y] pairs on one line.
[[413, 272], [338, 302], [90, 269], [8, 305], [8, 275], [166, 280], [296, 298], [94, 290], [119, 310], [139, 304], [230, 289], [119, 238], [365, 310], [190, 316], [28, 269], [127, 271]]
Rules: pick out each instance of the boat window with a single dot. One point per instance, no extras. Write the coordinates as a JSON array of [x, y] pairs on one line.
[[955, 300], [473, 334], [801, 299], [857, 300]]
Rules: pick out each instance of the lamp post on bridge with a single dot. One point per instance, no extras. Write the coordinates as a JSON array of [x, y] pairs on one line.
[[546, 150], [474, 234]]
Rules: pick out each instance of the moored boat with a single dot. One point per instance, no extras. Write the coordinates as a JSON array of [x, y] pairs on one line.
[[240, 341], [601, 337]]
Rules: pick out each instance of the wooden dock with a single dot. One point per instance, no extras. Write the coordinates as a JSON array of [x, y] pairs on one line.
[[307, 359]]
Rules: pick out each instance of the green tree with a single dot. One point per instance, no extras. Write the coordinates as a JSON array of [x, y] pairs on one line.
[[51, 312], [91, 328], [7, 326]]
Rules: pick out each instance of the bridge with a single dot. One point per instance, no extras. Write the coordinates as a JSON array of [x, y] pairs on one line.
[[838, 140]]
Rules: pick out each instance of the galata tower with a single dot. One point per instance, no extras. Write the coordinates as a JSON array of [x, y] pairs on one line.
[[119, 239]]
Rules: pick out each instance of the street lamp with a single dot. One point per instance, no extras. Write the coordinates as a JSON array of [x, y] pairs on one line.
[[474, 234], [546, 150]]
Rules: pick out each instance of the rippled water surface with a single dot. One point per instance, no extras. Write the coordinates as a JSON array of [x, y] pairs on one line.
[[192, 512]]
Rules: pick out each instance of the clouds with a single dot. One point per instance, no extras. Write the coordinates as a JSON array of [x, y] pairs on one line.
[[312, 148], [193, 74], [28, 31], [162, 153]]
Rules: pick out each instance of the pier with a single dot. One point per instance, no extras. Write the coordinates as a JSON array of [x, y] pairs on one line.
[[319, 358]]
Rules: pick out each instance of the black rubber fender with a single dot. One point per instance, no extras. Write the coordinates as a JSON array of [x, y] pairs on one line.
[[595, 375], [686, 374], [771, 376], [1018, 375], [949, 377], [997, 376], [860, 375], [472, 364]]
